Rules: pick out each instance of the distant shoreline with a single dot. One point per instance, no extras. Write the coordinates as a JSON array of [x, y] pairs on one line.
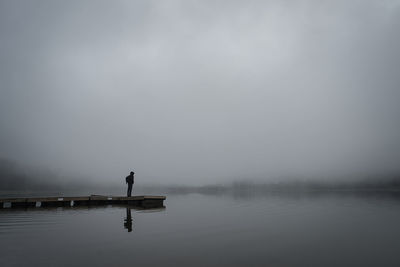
[[236, 188]]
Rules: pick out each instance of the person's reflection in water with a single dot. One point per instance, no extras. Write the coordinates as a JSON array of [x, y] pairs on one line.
[[128, 220]]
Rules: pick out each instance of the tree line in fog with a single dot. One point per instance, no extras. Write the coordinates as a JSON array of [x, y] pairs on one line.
[[14, 176]]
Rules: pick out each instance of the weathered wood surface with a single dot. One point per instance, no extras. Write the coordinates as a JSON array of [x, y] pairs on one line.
[[139, 201]]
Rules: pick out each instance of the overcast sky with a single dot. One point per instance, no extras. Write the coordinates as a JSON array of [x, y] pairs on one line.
[[201, 91]]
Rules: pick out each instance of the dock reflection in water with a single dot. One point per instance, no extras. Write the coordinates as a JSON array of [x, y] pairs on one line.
[[9, 217], [128, 221]]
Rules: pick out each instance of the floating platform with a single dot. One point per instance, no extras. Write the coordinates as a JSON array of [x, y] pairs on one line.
[[93, 200]]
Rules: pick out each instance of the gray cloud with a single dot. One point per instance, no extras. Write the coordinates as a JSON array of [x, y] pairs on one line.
[[201, 91]]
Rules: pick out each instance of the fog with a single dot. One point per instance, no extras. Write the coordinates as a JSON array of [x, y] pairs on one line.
[[201, 92]]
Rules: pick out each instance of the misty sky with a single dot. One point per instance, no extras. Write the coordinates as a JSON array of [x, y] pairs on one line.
[[201, 91]]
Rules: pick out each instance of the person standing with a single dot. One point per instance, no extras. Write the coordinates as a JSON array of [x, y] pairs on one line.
[[130, 181]]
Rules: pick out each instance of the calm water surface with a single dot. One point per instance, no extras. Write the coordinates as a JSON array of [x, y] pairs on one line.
[[209, 230]]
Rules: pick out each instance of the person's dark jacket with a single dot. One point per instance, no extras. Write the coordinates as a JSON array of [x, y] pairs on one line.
[[129, 179]]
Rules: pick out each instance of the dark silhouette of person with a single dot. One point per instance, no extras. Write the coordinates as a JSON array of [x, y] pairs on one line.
[[128, 220], [130, 180]]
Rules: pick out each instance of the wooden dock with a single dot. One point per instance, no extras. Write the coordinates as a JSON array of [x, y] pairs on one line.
[[93, 200]]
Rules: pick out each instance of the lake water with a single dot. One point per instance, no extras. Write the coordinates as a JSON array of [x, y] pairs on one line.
[[280, 229]]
